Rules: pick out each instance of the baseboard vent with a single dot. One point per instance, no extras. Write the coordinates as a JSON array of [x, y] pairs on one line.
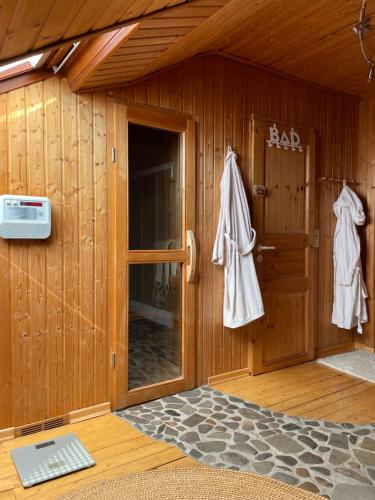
[[51, 423]]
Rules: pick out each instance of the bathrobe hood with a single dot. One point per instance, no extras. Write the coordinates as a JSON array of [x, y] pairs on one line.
[[350, 201]]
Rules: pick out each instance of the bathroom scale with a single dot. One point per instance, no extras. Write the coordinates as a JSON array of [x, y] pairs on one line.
[[46, 460]]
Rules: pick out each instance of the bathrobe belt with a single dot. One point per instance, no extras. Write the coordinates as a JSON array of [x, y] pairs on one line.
[[248, 249]]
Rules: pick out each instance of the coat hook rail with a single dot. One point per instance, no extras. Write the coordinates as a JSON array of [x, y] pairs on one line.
[[338, 180]]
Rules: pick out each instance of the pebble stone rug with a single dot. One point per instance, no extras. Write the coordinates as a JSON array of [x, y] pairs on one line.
[[336, 461]]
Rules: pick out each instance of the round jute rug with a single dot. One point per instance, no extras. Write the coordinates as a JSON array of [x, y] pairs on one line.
[[190, 484]]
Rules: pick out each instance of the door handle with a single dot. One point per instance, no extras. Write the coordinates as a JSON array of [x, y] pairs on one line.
[[260, 247], [192, 247]]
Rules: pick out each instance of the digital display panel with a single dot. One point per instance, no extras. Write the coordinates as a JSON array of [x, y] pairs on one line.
[[31, 204]]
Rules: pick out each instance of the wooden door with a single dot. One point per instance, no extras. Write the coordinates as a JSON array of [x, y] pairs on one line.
[[152, 218], [283, 216]]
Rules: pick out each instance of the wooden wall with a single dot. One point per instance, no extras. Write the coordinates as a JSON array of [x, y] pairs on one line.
[[53, 298], [222, 94], [367, 192], [53, 303]]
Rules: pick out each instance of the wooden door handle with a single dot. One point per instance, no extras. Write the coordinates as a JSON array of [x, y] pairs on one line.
[[192, 247]]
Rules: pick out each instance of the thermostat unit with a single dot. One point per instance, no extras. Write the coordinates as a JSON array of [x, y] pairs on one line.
[[25, 217]]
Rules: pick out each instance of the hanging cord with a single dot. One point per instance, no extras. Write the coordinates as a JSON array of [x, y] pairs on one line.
[[360, 29]]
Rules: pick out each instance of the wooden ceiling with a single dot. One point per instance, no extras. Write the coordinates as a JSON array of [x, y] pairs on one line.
[[148, 42], [26, 25], [313, 41], [309, 40]]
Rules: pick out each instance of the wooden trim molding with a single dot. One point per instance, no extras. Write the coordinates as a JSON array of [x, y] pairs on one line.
[[224, 377], [24, 79], [16, 70], [93, 54], [363, 347], [6, 434], [337, 349], [89, 412], [340, 349]]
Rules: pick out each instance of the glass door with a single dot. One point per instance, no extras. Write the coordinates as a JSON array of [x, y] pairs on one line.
[[154, 346]]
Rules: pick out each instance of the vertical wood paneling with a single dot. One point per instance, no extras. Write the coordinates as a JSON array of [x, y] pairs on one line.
[[198, 85], [53, 302], [86, 254], [36, 254], [225, 94], [367, 193], [20, 324], [230, 337], [100, 248], [208, 224], [6, 372], [238, 130], [54, 258], [71, 247], [53, 142], [218, 86]]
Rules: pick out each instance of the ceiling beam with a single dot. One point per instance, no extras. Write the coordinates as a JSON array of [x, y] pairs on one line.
[[90, 34], [93, 54]]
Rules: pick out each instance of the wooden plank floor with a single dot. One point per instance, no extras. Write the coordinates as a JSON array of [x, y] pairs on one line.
[[309, 390]]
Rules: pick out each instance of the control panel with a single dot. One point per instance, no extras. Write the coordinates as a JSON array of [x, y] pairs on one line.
[[25, 217]]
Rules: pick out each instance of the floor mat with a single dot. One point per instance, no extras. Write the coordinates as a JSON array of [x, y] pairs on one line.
[[358, 363], [186, 484], [225, 431]]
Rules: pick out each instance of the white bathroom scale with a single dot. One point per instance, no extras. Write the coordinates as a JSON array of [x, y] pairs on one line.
[[46, 460]]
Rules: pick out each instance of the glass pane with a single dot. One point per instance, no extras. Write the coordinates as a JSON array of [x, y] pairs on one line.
[[154, 323], [155, 208]]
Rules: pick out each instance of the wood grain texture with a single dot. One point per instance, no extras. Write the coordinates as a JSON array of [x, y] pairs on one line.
[[124, 253], [61, 135], [309, 390], [152, 40], [222, 94], [309, 41], [366, 190], [30, 25], [54, 303], [285, 220], [6, 378]]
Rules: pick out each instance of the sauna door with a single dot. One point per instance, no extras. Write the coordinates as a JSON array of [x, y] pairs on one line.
[[154, 253], [283, 216]]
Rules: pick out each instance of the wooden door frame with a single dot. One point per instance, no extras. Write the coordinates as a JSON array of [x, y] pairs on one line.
[[119, 113], [257, 155]]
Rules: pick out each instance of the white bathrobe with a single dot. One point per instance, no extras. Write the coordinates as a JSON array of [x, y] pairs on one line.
[[349, 306], [234, 242]]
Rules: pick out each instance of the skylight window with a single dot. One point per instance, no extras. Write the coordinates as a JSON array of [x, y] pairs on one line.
[[32, 62]]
